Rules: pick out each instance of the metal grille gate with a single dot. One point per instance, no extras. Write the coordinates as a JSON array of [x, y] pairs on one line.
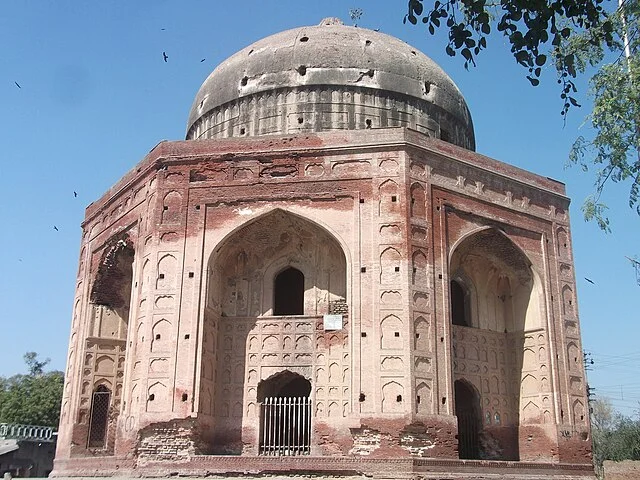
[[468, 438], [99, 417], [285, 426]]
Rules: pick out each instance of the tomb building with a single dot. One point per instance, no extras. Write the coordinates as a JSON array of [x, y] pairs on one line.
[[325, 276]]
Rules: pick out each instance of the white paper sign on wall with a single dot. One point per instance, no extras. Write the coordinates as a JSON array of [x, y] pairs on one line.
[[333, 322]]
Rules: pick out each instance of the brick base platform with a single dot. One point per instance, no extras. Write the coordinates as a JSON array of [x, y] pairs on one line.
[[320, 468]]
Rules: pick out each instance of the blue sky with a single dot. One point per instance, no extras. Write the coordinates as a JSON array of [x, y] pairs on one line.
[[96, 96]]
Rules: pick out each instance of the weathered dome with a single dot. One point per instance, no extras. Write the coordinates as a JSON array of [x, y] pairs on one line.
[[329, 77]]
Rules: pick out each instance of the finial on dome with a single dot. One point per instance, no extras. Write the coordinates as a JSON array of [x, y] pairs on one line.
[[331, 21]]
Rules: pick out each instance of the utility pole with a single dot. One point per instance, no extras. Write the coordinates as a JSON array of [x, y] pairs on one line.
[[636, 265]]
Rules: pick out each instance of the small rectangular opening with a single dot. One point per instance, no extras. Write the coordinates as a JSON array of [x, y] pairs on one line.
[[396, 334], [363, 334], [397, 269], [161, 276], [190, 274], [394, 198], [363, 269]]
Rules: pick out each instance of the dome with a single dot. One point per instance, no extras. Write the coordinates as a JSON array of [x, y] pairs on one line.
[[329, 77]]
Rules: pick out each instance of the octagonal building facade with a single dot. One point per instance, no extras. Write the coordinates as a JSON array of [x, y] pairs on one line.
[[325, 276]]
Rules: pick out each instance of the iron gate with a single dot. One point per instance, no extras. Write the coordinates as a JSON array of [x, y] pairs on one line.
[[285, 426], [468, 438], [99, 417]]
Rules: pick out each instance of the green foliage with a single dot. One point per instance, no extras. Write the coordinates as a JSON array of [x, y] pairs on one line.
[[531, 27], [615, 437], [575, 36], [32, 399]]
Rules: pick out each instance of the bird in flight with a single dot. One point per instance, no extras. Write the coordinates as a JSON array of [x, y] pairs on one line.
[[165, 56], [56, 228], [202, 60], [17, 84], [589, 280], [75, 194]]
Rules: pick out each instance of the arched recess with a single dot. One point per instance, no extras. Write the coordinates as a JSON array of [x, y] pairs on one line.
[[468, 412], [110, 299], [496, 297], [251, 272], [418, 199]]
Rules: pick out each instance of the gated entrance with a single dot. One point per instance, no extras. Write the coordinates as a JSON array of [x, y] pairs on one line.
[[99, 417], [467, 409], [285, 415]]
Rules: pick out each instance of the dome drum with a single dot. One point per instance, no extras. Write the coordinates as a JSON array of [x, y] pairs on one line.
[[323, 108]]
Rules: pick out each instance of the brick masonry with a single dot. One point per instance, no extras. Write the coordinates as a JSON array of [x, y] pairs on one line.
[[175, 310]]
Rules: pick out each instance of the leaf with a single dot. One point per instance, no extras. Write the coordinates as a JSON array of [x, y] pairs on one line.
[[534, 81]]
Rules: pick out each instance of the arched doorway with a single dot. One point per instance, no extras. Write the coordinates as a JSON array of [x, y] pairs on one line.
[[288, 292], [99, 417], [467, 409], [285, 415]]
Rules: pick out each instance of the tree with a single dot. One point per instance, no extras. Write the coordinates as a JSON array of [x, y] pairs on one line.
[[615, 436], [576, 36], [32, 399]]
